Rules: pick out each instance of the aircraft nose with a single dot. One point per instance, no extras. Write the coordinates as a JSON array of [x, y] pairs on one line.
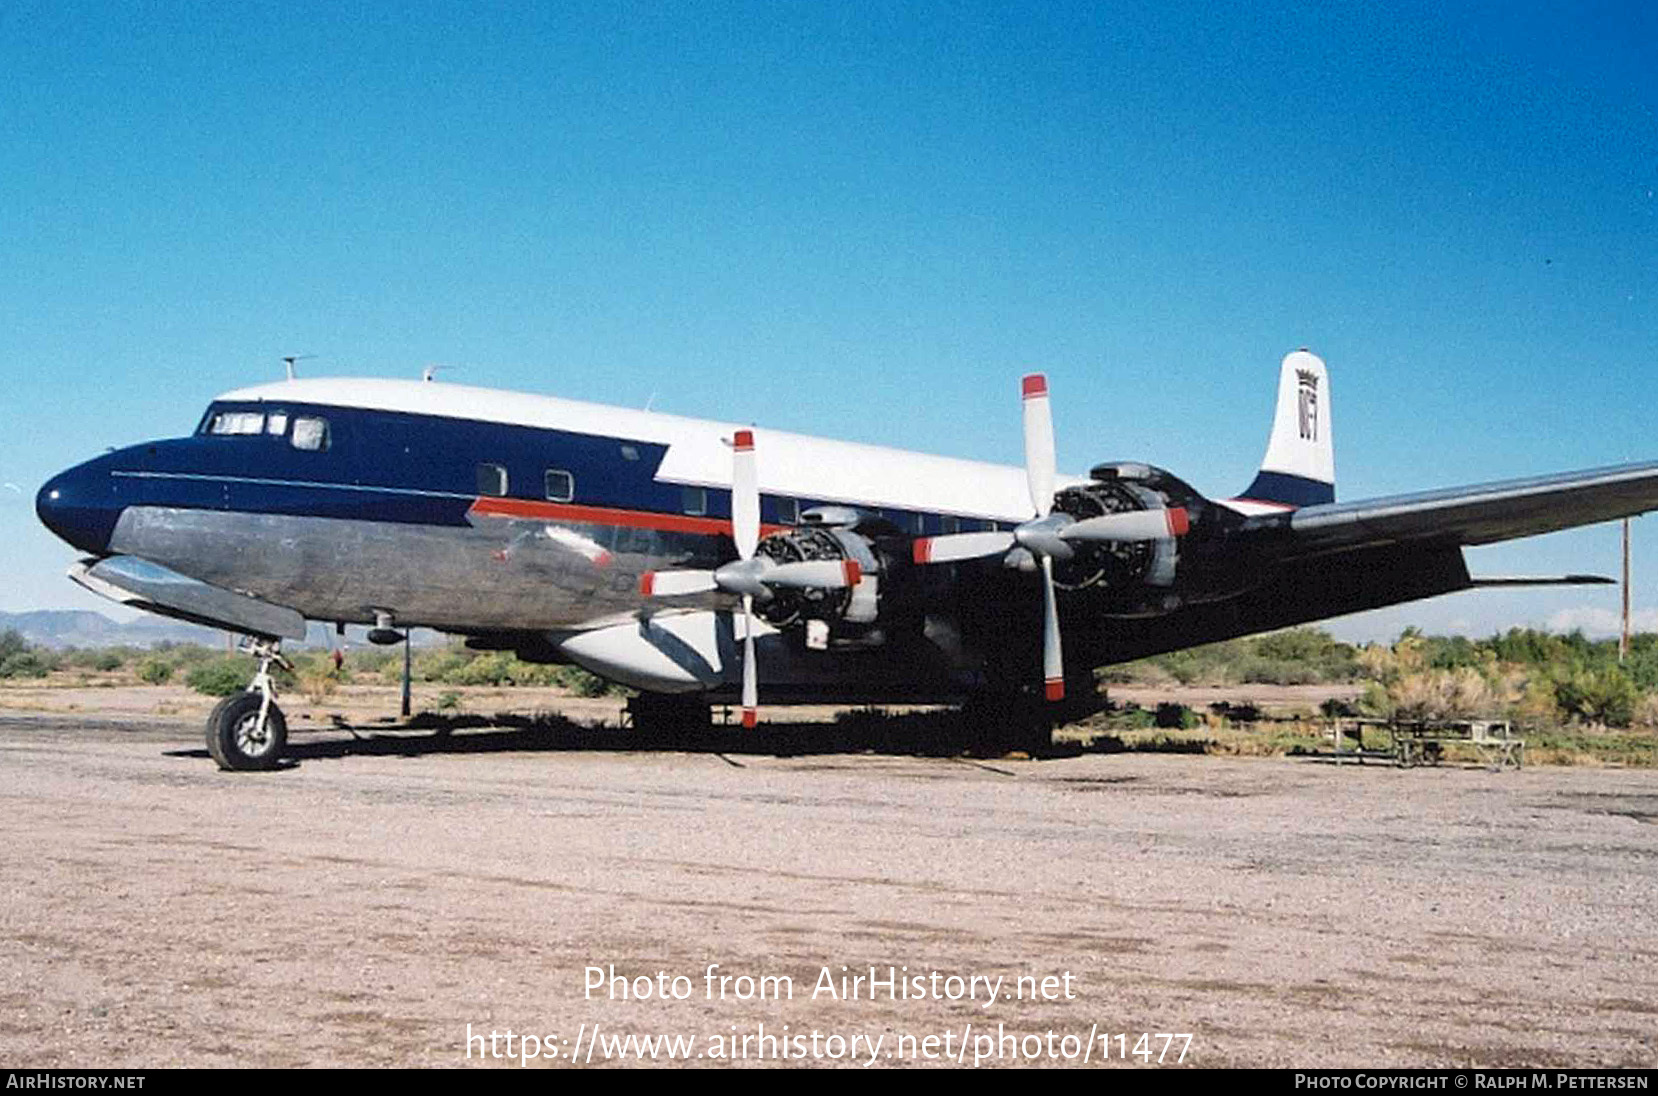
[[76, 505]]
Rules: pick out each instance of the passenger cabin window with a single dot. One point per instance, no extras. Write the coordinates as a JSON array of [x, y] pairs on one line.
[[276, 423], [561, 485], [237, 422], [788, 511], [310, 434], [949, 524], [492, 480], [694, 500]]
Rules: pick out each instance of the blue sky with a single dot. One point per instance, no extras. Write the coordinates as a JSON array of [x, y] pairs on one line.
[[861, 220]]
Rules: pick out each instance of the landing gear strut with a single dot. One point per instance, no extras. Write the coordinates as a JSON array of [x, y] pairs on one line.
[[247, 732]]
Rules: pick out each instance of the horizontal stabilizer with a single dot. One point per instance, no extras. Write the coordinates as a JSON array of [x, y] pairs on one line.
[[1544, 580]]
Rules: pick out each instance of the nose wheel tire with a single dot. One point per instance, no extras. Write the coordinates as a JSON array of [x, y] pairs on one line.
[[239, 740]]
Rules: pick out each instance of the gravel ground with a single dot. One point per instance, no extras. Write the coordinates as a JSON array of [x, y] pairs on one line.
[[366, 905]]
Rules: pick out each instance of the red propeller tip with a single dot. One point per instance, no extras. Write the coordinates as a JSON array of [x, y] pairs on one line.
[[1055, 688], [1034, 385], [852, 572], [749, 716], [647, 583], [922, 550], [744, 441], [1179, 521]]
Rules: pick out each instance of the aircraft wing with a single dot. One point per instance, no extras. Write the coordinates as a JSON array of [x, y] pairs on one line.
[[1481, 514]]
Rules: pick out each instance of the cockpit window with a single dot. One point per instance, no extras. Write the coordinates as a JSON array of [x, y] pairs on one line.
[[311, 434], [237, 422]]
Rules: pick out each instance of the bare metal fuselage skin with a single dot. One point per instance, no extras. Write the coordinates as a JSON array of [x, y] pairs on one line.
[[504, 530]]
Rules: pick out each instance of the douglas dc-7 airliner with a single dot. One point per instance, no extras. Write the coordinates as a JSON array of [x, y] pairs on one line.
[[700, 561]]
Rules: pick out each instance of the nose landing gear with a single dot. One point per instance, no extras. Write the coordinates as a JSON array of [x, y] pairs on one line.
[[247, 732]]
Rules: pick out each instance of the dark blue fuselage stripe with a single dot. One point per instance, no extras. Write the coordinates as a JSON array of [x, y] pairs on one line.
[[418, 469], [1289, 489]]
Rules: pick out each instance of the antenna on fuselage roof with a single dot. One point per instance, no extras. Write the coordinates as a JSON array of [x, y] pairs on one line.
[[429, 374], [290, 359]]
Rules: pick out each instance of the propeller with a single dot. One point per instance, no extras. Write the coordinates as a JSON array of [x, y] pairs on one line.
[[750, 576], [1049, 536], [1041, 539]]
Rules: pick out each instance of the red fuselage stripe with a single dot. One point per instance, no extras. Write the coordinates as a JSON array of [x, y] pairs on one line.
[[605, 515]]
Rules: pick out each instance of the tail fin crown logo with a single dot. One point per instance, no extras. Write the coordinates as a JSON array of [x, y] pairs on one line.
[[1307, 403]]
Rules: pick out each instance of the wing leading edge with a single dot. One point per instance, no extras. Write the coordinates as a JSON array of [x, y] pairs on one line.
[[1481, 514]]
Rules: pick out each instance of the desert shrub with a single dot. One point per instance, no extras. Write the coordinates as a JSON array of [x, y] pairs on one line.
[[494, 668], [582, 683], [102, 659], [226, 675], [317, 685], [185, 654], [155, 671], [1463, 693], [1606, 696], [1175, 715], [27, 663], [1310, 651], [11, 643], [1537, 705], [319, 663], [437, 665], [384, 662], [1376, 701], [20, 658]]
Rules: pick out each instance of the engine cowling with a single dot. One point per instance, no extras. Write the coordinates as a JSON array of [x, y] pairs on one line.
[[858, 606], [1116, 488]]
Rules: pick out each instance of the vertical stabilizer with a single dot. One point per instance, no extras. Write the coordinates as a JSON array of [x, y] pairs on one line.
[[1300, 466]]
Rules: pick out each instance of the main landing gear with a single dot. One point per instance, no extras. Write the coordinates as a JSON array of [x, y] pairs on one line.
[[670, 718], [247, 732]]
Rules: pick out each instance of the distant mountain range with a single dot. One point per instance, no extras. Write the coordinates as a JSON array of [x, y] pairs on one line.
[[59, 628]]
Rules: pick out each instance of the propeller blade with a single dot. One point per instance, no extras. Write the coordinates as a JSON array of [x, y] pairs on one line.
[[1132, 525], [1053, 660], [676, 583], [751, 684], [745, 495], [814, 573], [1039, 443], [952, 547]]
